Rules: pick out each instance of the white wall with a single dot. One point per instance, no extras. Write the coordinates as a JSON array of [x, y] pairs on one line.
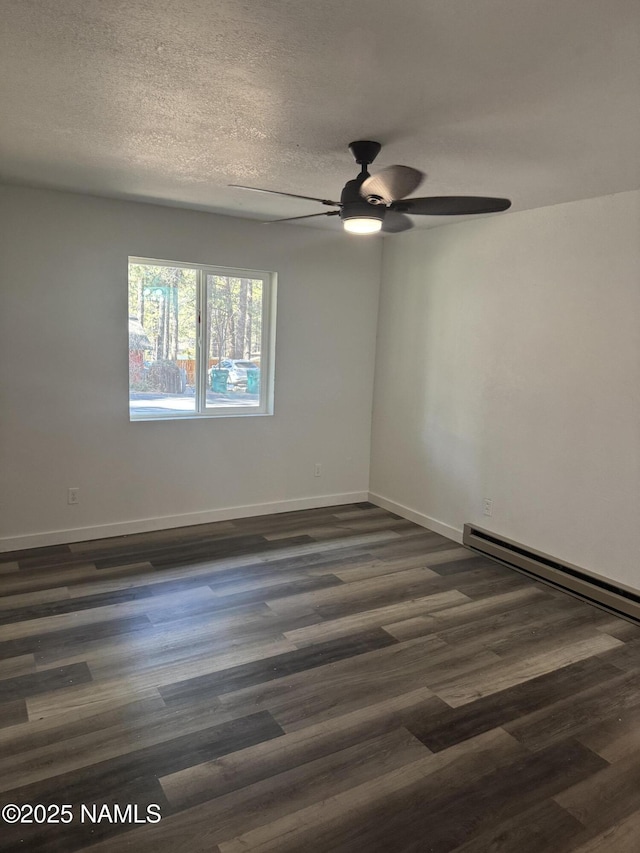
[[64, 372], [508, 367]]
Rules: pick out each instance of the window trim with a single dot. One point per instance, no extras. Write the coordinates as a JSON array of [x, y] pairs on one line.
[[269, 281]]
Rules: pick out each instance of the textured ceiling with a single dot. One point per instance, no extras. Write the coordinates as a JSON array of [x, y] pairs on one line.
[[536, 100]]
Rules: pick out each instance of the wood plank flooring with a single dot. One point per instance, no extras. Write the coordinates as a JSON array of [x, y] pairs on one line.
[[327, 680]]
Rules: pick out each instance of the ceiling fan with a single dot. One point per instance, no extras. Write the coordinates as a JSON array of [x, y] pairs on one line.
[[379, 202]]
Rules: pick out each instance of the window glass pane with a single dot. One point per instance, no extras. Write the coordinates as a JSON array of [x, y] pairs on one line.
[[162, 340], [234, 341]]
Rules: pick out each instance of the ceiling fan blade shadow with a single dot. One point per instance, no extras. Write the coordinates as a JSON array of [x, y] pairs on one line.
[[392, 183], [451, 205], [289, 195], [395, 222], [308, 216]]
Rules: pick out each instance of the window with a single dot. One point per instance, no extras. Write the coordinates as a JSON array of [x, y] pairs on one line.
[[201, 340]]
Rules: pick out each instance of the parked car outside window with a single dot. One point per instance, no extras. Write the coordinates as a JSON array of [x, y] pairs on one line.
[[237, 368]]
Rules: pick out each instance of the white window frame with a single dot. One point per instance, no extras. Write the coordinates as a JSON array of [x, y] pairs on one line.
[[267, 347]]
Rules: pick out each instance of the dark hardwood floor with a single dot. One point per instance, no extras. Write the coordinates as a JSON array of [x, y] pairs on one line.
[[328, 680]]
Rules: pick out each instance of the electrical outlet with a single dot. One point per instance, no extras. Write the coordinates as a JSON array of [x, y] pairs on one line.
[[317, 470], [488, 506], [73, 496]]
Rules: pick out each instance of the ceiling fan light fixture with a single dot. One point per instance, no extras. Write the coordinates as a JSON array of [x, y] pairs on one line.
[[362, 224]]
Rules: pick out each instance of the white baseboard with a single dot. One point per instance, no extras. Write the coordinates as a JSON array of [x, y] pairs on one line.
[[418, 517], [145, 525]]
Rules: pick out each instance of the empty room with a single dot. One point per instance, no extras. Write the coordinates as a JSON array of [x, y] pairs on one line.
[[320, 426]]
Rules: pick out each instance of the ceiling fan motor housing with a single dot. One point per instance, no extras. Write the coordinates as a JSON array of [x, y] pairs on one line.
[[355, 206]]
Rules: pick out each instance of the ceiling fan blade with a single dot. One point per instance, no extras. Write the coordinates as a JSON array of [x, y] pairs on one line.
[[392, 183], [289, 195], [308, 216], [451, 205], [395, 222]]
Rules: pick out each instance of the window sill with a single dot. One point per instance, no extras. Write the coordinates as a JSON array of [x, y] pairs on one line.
[[196, 416]]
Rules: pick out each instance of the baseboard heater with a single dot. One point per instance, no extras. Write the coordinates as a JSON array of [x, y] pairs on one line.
[[621, 600]]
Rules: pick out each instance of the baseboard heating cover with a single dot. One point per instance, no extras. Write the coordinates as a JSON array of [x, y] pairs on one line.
[[601, 591]]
